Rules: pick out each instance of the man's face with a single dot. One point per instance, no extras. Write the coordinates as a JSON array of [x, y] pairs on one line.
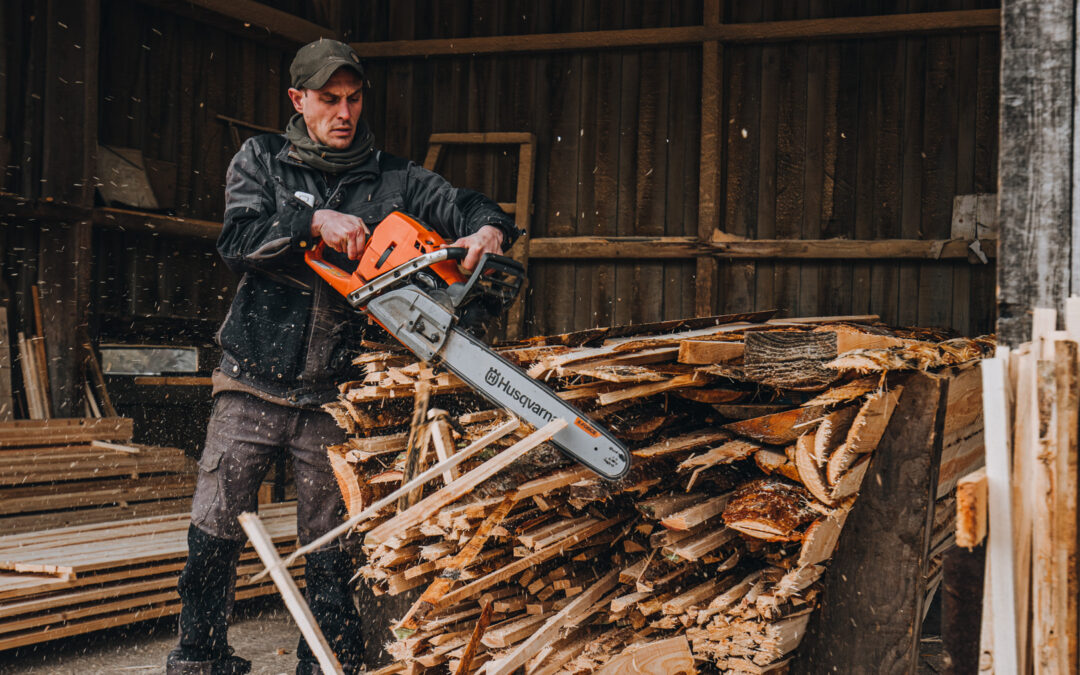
[[332, 113]]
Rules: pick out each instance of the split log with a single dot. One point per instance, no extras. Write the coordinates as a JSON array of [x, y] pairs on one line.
[[769, 509], [790, 359], [662, 657], [865, 432], [778, 428], [705, 352]]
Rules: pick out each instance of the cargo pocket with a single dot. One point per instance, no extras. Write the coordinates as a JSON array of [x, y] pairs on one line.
[[206, 503], [211, 458]]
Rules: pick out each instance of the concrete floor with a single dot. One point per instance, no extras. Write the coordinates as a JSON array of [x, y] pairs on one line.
[[262, 631]]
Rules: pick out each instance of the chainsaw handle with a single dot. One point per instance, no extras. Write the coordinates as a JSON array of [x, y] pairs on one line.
[[339, 279], [456, 252]]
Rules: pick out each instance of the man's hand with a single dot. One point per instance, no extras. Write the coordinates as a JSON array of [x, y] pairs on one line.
[[341, 232], [488, 239]]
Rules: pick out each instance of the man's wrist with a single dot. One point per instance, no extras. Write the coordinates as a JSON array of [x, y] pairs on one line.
[[316, 224], [498, 233]]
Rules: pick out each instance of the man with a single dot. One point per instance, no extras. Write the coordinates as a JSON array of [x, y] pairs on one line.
[[289, 339]]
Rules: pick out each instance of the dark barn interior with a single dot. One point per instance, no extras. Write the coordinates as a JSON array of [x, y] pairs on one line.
[[668, 160]]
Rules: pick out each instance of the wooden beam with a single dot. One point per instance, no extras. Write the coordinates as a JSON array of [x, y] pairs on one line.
[[709, 188], [248, 125], [577, 248], [1035, 162], [515, 320], [173, 381], [1000, 604], [248, 18], [301, 613], [30, 433], [850, 27], [125, 219], [771, 31], [7, 398], [69, 151], [605, 248], [17, 207], [888, 537], [483, 137], [937, 249]]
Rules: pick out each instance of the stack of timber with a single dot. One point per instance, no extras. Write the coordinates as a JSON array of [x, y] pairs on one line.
[[75, 580], [1023, 501], [60, 472], [750, 439]]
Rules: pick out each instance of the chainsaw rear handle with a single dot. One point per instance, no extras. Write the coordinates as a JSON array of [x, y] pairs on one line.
[[350, 285]]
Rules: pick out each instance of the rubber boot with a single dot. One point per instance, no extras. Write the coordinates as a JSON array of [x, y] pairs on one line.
[[326, 576], [206, 590]]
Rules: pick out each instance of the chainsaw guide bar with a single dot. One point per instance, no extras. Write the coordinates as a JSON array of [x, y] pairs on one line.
[[422, 299]]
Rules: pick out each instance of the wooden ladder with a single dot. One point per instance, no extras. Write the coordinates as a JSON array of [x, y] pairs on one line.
[[521, 208]]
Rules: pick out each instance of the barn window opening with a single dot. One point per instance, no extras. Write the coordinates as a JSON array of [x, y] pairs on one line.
[[119, 359]]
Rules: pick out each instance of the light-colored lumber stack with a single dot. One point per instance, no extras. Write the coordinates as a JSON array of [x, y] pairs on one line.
[[60, 472], [750, 441], [1025, 500], [74, 580]]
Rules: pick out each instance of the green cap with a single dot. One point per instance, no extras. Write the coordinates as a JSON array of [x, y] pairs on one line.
[[315, 62]]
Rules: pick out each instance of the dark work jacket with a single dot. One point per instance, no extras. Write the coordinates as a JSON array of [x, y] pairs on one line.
[[288, 333]]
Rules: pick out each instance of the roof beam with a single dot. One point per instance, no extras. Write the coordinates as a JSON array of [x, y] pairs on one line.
[[839, 28], [248, 18]]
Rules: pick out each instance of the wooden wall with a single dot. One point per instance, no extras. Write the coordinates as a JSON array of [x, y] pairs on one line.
[[165, 79], [617, 133], [862, 139], [851, 138]]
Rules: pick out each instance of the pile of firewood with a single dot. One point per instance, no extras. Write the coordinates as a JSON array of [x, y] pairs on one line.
[[750, 440]]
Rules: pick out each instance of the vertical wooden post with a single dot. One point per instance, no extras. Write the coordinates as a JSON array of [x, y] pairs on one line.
[[1035, 162], [874, 592], [7, 402], [69, 151], [712, 103], [515, 320], [5, 144]]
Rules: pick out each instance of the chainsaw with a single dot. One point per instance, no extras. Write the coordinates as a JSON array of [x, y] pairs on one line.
[[408, 281]]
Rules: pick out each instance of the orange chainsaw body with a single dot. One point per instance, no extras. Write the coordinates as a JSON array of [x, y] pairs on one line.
[[397, 240]]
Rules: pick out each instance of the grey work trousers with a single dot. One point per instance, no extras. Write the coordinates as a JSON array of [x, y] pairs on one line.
[[245, 435]]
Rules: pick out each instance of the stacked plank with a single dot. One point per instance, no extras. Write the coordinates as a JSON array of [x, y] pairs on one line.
[[750, 440], [61, 472], [74, 580], [1027, 496]]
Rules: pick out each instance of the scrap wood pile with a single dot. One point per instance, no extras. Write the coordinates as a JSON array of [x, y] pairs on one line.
[[750, 440], [75, 580], [60, 472], [1026, 497]]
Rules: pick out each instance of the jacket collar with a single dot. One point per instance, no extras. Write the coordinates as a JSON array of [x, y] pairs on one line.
[[370, 167]]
